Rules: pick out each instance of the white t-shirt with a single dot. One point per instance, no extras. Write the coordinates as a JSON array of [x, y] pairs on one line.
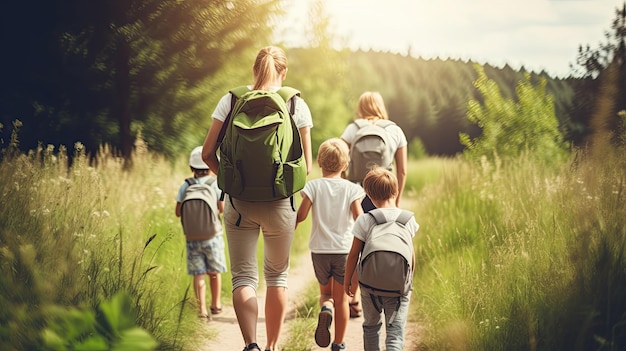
[[397, 139], [365, 222], [301, 117], [331, 231]]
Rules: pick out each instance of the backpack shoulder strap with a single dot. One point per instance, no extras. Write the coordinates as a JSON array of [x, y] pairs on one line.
[[287, 93], [360, 123], [384, 123], [404, 217], [378, 216], [239, 91], [235, 93], [190, 181]]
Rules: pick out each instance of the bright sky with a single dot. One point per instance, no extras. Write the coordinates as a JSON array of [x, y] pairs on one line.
[[538, 34]]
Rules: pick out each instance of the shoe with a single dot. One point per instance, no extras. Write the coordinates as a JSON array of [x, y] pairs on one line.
[[355, 309], [216, 310], [205, 317], [252, 346], [337, 347], [322, 333]]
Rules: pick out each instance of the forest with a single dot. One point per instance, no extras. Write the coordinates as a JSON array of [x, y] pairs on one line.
[[106, 73]]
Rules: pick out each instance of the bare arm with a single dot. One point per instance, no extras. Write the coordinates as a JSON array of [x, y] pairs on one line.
[[209, 149], [305, 135], [356, 209], [353, 257], [401, 164], [303, 210], [178, 206]]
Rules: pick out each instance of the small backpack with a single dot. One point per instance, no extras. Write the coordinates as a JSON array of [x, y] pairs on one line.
[[386, 265], [370, 147], [199, 214], [261, 157]]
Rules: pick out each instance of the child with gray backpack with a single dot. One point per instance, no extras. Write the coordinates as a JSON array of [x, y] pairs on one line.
[[198, 205], [383, 256]]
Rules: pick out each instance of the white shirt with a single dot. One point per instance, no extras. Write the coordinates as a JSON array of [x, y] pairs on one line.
[[331, 231], [365, 222], [301, 117]]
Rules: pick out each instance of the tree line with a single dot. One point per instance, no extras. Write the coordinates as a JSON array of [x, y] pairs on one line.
[[104, 72]]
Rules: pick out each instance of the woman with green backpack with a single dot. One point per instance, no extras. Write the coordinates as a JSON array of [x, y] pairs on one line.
[[259, 199]]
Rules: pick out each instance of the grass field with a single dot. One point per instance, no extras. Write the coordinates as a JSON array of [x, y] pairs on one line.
[[511, 256]]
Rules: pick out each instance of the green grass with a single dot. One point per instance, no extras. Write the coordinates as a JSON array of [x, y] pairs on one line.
[[511, 255]]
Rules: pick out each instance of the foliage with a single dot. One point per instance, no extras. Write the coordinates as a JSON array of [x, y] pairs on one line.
[[320, 73], [515, 256], [513, 127], [74, 236], [595, 66], [113, 328], [99, 72]]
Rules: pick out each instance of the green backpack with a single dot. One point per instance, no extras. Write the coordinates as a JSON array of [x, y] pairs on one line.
[[261, 156]]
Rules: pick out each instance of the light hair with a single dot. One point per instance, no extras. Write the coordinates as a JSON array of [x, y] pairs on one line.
[[270, 63], [333, 155], [380, 184], [371, 105]]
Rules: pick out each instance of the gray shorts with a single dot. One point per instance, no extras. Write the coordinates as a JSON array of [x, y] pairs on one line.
[[206, 256], [329, 265]]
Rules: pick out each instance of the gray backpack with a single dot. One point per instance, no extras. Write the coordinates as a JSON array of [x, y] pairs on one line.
[[199, 214], [386, 265], [370, 147]]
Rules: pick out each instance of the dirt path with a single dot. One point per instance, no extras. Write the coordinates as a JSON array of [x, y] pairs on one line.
[[301, 276]]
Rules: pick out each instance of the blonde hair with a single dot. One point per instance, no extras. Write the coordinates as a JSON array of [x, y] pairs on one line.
[[380, 184], [371, 105], [333, 155], [270, 63]]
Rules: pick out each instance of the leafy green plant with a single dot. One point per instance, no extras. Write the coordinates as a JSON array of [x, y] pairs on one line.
[[112, 327], [511, 127]]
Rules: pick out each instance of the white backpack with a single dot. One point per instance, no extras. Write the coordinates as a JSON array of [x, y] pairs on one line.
[[199, 214], [370, 147], [386, 265]]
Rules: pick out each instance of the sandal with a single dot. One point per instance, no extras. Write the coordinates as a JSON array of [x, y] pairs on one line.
[[251, 347], [355, 309], [216, 310]]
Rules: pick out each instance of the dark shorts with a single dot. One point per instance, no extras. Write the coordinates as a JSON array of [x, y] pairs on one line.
[[329, 265]]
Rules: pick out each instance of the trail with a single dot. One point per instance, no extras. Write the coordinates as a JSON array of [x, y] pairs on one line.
[[301, 276]]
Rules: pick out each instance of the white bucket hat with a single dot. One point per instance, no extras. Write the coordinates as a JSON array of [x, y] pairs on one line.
[[195, 159]]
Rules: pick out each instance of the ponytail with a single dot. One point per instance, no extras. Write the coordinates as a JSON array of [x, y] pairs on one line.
[[270, 63]]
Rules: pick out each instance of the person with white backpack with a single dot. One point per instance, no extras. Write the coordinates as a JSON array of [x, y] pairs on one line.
[[383, 255], [199, 207], [374, 140]]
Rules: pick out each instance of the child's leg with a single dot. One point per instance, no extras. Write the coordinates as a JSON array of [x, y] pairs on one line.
[[326, 295], [216, 290], [342, 311], [395, 326], [199, 286], [372, 322]]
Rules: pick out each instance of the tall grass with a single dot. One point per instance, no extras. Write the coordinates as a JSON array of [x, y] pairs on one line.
[[76, 235], [513, 256]]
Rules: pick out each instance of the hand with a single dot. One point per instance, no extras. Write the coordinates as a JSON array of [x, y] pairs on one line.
[[346, 287]]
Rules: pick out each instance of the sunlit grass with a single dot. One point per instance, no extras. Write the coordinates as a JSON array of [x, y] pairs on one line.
[[518, 257]]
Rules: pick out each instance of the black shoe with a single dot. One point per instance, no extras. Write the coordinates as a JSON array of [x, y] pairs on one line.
[[252, 346], [322, 333]]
